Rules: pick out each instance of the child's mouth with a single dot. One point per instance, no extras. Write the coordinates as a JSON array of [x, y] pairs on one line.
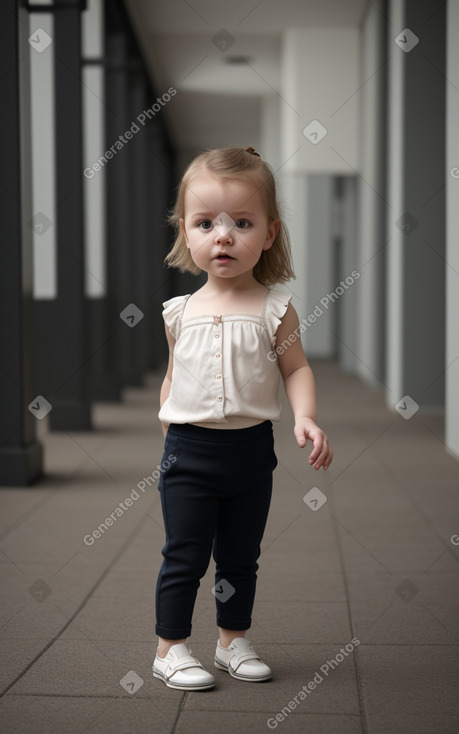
[[224, 257]]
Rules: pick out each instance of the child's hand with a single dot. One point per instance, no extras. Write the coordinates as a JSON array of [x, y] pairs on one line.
[[321, 454]]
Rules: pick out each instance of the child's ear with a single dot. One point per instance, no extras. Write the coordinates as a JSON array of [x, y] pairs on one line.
[[183, 231], [273, 230]]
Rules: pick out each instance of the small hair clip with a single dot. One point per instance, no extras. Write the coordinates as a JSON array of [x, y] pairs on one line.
[[252, 150]]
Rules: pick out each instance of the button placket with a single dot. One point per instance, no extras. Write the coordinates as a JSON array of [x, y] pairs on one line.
[[218, 361]]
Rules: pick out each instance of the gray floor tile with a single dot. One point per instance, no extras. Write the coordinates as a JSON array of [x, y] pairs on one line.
[[401, 680], [257, 723], [89, 668], [304, 622], [64, 714], [15, 655]]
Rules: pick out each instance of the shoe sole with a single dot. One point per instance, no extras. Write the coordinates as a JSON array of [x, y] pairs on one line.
[[183, 687], [227, 669]]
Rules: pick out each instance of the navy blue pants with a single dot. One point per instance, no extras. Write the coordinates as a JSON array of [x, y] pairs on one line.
[[215, 498]]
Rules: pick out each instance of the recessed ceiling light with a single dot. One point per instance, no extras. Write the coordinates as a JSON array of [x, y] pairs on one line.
[[238, 59]]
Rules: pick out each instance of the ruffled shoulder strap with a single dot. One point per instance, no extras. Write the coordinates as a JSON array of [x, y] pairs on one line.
[[276, 305], [172, 314]]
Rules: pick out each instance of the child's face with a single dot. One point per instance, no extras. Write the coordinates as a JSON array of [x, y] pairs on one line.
[[224, 215]]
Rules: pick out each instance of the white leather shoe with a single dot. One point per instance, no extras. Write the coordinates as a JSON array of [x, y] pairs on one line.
[[179, 669], [241, 661]]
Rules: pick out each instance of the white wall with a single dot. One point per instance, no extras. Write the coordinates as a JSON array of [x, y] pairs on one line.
[[293, 193], [270, 135], [319, 81], [320, 78]]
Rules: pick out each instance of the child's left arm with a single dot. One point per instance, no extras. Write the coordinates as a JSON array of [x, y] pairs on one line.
[[301, 390]]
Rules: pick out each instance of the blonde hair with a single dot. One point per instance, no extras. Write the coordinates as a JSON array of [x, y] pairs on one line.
[[274, 265]]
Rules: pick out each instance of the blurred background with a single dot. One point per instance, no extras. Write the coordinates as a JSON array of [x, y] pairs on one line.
[[352, 103], [355, 106]]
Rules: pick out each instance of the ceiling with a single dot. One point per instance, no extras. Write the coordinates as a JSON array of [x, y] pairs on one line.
[[223, 58]]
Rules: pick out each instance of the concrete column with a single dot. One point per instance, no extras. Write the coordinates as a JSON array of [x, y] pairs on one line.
[[371, 313], [122, 286], [160, 182], [319, 339], [104, 383], [21, 456], [42, 89], [416, 204], [349, 280], [62, 323], [141, 240], [452, 231]]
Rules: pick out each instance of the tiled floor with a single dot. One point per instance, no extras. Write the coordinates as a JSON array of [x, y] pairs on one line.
[[375, 564]]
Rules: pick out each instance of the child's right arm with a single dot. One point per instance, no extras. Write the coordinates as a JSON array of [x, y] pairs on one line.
[[166, 386]]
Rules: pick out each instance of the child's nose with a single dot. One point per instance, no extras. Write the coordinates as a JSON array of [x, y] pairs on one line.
[[224, 235]]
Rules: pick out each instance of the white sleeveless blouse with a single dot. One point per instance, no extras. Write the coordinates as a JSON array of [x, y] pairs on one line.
[[225, 373]]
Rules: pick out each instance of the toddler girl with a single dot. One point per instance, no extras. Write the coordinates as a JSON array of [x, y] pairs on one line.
[[218, 400]]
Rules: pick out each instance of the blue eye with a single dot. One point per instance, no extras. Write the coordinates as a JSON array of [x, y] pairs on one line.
[[243, 222], [203, 225]]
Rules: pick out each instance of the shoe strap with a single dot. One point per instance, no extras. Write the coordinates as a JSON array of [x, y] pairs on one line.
[[184, 662], [239, 658]]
